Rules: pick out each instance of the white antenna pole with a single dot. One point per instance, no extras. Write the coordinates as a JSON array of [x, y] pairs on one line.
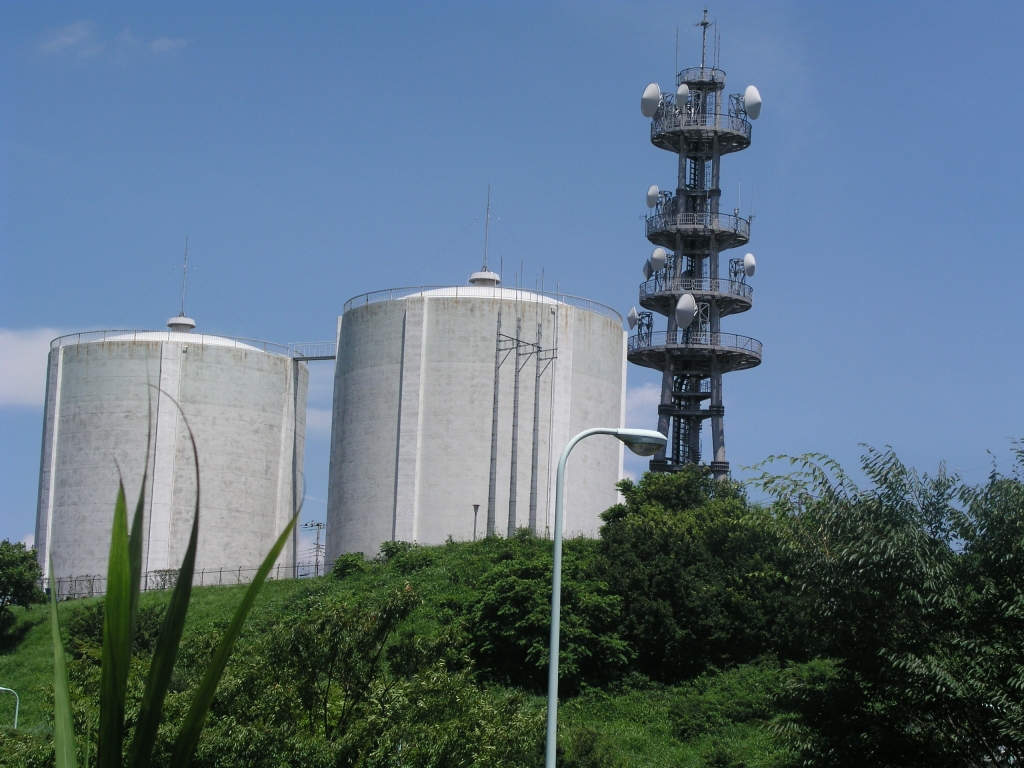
[[184, 276], [487, 225], [703, 24], [677, 50]]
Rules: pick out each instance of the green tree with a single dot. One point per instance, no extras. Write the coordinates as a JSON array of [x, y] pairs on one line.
[[701, 575], [19, 579], [510, 623], [912, 594]]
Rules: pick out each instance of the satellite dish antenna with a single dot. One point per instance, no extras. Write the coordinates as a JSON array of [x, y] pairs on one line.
[[652, 195], [686, 310], [752, 102], [648, 271], [682, 95], [651, 100], [633, 318], [659, 259], [749, 265]]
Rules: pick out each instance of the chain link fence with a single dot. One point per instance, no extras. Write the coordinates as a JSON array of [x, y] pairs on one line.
[[77, 587]]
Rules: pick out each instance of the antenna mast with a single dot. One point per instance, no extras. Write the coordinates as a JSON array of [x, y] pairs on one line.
[[487, 225], [703, 24], [184, 276]]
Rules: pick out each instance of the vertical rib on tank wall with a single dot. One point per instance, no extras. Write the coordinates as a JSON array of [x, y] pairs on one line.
[[44, 503], [429, 398], [364, 428], [103, 403]]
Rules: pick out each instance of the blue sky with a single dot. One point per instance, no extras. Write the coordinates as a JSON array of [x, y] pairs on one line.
[[314, 151]]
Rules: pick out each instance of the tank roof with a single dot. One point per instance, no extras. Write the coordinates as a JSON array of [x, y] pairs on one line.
[[481, 291], [90, 337]]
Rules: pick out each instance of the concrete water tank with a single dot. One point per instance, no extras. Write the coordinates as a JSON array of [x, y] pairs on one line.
[[245, 401], [416, 441]]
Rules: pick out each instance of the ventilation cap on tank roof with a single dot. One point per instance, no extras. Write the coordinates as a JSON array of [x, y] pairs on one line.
[[485, 278], [181, 324]]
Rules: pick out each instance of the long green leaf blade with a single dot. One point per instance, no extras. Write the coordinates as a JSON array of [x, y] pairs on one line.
[[195, 718], [135, 547], [117, 649], [164, 656], [63, 725]]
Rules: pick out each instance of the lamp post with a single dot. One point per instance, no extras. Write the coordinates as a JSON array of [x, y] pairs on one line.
[[17, 703], [643, 442]]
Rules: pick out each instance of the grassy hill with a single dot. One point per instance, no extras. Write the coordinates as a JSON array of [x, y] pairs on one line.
[[618, 725], [837, 627]]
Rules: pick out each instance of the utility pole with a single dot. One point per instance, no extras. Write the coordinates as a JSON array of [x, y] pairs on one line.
[[318, 547]]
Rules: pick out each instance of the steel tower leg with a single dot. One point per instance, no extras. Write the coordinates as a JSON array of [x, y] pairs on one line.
[[536, 436], [514, 472], [492, 486]]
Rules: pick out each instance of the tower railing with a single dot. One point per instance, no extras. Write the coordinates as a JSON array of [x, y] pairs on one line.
[[689, 338], [661, 284], [700, 75], [704, 221], [675, 119]]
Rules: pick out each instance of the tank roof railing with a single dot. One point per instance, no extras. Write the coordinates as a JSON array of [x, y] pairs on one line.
[[477, 291], [195, 338]]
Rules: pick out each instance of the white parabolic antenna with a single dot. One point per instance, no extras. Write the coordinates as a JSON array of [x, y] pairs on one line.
[[648, 271], [652, 195], [752, 102], [632, 318], [682, 95], [749, 265], [651, 100], [658, 258], [686, 310]]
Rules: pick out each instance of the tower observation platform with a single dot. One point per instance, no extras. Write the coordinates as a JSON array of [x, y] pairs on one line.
[[684, 281]]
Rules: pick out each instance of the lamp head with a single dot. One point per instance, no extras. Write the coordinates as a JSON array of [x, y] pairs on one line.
[[642, 442]]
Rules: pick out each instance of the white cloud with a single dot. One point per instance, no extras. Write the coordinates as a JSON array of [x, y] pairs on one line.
[[167, 44], [642, 406], [81, 39], [79, 36], [29, 540], [23, 374]]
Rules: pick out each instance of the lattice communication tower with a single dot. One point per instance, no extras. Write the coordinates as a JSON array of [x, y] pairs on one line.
[[683, 275]]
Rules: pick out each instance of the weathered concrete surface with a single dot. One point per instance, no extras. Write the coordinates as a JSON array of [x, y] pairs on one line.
[[411, 433], [241, 404]]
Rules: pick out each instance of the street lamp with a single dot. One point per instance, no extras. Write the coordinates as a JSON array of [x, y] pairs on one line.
[[17, 702], [644, 442]]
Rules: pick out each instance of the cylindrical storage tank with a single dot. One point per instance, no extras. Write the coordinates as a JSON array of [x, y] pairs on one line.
[[107, 391], [419, 373]]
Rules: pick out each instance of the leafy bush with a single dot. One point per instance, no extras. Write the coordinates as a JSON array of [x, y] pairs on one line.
[[348, 564], [86, 626], [701, 575], [510, 623], [714, 701], [19, 577], [587, 748]]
